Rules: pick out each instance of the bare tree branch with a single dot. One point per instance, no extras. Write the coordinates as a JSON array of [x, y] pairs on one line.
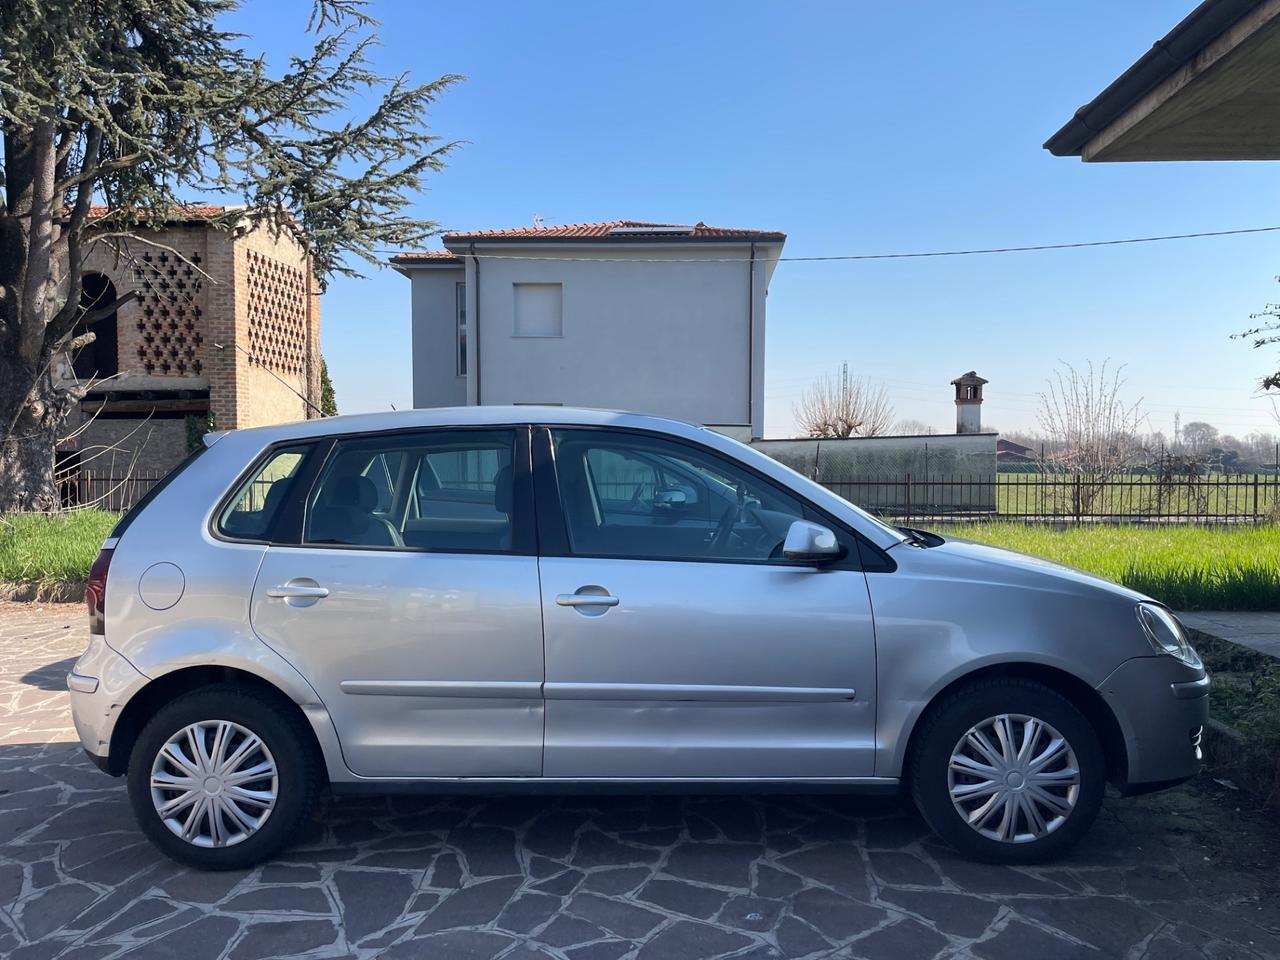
[[840, 406]]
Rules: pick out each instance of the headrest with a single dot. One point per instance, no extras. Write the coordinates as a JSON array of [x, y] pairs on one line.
[[275, 494], [503, 492], [353, 492]]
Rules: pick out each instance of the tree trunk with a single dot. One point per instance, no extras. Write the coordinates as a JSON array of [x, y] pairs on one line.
[[36, 404]]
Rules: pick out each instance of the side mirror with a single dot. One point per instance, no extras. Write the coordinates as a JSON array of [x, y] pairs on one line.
[[810, 542], [673, 498]]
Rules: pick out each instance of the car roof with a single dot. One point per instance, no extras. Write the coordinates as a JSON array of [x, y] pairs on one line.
[[460, 417]]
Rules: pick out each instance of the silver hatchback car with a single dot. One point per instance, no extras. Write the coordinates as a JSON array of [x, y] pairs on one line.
[[544, 598]]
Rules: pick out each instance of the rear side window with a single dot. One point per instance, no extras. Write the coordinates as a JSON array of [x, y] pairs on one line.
[[251, 512], [448, 491]]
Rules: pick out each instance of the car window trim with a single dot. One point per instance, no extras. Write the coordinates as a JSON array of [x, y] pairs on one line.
[[304, 474], [553, 532], [523, 535]]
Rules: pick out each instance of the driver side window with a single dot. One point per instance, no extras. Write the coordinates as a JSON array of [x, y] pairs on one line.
[[641, 497]]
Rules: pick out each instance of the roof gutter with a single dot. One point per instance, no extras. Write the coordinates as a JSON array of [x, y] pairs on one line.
[[474, 323], [1179, 46], [751, 340]]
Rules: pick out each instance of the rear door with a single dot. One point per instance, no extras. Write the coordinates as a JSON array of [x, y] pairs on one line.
[[409, 599], [679, 642]]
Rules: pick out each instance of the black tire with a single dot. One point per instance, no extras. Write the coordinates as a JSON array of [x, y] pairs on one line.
[[292, 747], [951, 718]]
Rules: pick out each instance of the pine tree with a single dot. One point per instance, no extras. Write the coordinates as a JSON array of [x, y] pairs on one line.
[[328, 399], [138, 105]]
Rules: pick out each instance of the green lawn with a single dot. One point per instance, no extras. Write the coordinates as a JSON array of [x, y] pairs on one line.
[[1031, 494], [45, 548], [1187, 567]]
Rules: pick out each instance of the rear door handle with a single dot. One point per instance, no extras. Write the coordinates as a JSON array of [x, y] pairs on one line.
[[586, 600], [287, 590]]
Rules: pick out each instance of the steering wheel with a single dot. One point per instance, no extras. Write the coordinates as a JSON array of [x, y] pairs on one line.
[[724, 529]]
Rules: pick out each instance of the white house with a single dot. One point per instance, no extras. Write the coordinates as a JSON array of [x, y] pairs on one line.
[[658, 318]]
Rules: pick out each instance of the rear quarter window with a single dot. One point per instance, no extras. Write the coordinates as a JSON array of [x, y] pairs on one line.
[[252, 510]]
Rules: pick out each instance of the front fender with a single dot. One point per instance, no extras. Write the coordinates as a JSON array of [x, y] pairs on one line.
[[939, 618]]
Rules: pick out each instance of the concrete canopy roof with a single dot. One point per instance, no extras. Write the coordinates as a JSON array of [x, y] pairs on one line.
[[1209, 90]]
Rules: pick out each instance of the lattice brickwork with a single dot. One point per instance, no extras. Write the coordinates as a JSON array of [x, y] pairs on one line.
[[169, 319], [277, 308]]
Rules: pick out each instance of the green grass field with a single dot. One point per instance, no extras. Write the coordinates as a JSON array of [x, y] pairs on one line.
[[1187, 567], [43, 548], [1030, 494]]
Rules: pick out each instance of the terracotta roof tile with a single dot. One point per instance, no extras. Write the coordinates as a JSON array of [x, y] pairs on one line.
[[426, 256], [195, 211], [618, 231], [610, 231]]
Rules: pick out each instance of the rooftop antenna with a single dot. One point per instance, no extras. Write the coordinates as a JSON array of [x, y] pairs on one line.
[[538, 221]]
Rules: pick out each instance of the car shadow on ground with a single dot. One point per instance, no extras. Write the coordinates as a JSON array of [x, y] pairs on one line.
[[52, 676]]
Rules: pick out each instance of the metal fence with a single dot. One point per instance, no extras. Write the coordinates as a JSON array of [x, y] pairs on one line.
[[1048, 497], [105, 491], [1239, 498]]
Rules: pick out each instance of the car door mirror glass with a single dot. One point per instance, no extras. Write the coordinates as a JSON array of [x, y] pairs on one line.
[[674, 498], [810, 542]]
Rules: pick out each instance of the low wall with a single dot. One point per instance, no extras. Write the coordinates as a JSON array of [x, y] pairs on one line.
[[941, 473]]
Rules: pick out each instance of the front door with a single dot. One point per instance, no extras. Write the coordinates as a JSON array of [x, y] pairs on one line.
[[679, 642], [411, 604]]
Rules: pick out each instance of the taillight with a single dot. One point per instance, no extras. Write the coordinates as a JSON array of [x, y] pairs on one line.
[[95, 592]]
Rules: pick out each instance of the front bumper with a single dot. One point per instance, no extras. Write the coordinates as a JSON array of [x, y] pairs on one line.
[[101, 683], [1161, 706]]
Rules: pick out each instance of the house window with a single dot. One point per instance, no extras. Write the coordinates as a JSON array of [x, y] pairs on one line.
[[538, 310], [460, 314]]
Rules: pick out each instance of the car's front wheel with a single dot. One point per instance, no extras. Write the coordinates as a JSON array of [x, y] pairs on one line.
[[1007, 771], [222, 778]]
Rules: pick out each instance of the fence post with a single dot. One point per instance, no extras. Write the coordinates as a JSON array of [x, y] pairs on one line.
[[906, 499], [1255, 498]]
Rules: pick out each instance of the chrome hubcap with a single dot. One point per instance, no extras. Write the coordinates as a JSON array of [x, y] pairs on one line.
[[214, 783], [1014, 778]]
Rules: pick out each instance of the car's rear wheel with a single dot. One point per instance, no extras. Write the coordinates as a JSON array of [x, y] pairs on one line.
[[1007, 771], [222, 778]]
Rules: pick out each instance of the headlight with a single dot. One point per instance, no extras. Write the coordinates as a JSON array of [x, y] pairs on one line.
[[1166, 634]]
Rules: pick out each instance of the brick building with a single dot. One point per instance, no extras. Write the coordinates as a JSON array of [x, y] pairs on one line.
[[157, 360]]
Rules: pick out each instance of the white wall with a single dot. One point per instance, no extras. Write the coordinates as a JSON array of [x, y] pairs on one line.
[[435, 373], [950, 455], [668, 338]]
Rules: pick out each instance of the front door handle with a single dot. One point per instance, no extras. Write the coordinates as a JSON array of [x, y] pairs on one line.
[[287, 590], [586, 600]]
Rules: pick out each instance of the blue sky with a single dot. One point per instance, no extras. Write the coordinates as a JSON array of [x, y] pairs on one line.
[[854, 128]]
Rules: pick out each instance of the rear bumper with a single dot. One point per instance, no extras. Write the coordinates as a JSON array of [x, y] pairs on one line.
[[101, 683], [1161, 706]]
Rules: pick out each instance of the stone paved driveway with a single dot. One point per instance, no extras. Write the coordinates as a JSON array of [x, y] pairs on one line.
[[589, 878]]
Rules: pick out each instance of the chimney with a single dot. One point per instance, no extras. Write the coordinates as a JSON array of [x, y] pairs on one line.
[[968, 402]]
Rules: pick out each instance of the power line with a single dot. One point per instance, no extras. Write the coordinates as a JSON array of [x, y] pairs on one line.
[[976, 251]]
